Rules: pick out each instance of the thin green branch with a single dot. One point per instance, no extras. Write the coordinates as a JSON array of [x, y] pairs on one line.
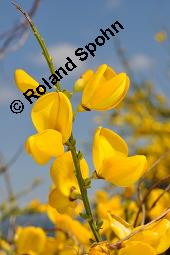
[[83, 189], [71, 143], [155, 185], [40, 41]]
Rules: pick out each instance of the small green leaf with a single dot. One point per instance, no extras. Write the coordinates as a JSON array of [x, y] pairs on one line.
[[87, 183], [84, 216], [79, 155], [99, 224]]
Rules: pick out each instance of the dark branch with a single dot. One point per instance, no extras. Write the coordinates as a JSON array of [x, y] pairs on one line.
[[16, 37]]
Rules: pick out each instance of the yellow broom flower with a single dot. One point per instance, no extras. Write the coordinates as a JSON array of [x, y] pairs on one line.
[[66, 186], [62, 173], [80, 83], [111, 161], [53, 111], [154, 238], [30, 240], [157, 235], [24, 81], [62, 203], [103, 90], [162, 204], [160, 36], [137, 248], [44, 145], [69, 225], [100, 249]]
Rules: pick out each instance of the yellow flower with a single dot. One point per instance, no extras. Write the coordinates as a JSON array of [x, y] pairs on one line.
[[4, 245], [53, 111], [109, 204], [70, 250], [161, 205], [36, 206], [119, 226], [137, 248], [62, 173], [111, 161], [30, 239], [66, 185], [157, 235], [51, 246], [103, 90], [73, 210], [105, 204], [62, 203], [73, 227], [24, 81], [100, 249], [44, 145], [160, 36], [80, 83]]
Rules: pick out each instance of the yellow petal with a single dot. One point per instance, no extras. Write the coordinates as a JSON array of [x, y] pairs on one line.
[[111, 204], [51, 246], [74, 228], [81, 83], [106, 143], [109, 73], [105, 89], [161, 36], [109, 94], [63, 176], [4, 245], [60, 202], [162, 228], [24, 81], [157, 235], [92, 85], [30, 239], [53, 111], [137, 248], [123, 171], [119, 226], [44, 145], [87, 75], [162, 204], [100, 249]]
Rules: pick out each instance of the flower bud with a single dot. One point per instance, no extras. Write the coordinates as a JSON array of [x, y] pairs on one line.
[[104, 89]]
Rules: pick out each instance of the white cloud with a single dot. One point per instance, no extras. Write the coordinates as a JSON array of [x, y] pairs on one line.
[[141, 62], [59, 53], [6, 95], [113, 3]]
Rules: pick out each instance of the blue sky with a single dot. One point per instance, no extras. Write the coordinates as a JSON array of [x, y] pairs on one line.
[[65, 26]]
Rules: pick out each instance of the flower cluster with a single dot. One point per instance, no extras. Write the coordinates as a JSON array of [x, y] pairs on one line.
[[115, 228], [131, 215]]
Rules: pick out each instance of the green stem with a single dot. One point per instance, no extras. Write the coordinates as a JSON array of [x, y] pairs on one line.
[[71, 143], [83, 189], [41, 43]]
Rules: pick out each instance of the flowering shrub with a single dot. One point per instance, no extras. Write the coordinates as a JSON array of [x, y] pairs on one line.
[[123, 224]]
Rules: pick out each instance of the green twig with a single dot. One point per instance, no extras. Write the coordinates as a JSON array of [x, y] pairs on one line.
[[71, 143], [40, 41], [83, 189]]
